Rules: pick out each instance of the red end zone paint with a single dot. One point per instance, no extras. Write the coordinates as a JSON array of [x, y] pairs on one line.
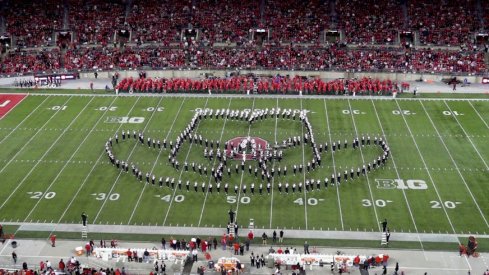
[[8, 102]]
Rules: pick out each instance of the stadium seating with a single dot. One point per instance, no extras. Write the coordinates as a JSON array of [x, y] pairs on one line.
[[295, 29], [366, 22], [441, 22], [95, 21], [32, 23], [23, 62]]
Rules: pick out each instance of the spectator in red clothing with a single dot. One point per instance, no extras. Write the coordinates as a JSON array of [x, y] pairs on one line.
[[53, 240], [250, 235], [61, 265], [88, 249]]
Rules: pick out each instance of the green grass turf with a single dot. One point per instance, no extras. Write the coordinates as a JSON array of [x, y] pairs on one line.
[[53, 165]]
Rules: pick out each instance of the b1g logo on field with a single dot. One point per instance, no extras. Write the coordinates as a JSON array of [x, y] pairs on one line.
[[400, 184], [124, 119]]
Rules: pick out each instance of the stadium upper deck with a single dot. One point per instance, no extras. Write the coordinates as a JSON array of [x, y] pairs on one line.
[[301, 28]]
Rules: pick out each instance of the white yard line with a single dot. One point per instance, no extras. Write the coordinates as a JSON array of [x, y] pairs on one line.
[[273, 167], [181, 172], [37, 163], [33, 137], [243, 172], [461, 127], [427, 169], [399, 176], [72, 156], [455, 164], [210, 177], [334, 164], [25, 119], [366, 174], [154, 164], [304, 166], [91, 170], [129, 157], [477, 112]]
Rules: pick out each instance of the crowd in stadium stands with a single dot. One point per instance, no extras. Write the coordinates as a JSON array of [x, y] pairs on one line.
[[155, 20], [262, 85], [32, 22], [95, 21], [442, 22], [367, 22], [295, 20], [268, 57], [104, 58], [30, 61]]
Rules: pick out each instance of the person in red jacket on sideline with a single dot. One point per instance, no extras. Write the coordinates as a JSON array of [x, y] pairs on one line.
[[53, 240], [61, 265]]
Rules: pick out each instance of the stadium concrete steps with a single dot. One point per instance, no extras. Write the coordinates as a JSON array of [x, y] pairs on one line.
[[201, 231]]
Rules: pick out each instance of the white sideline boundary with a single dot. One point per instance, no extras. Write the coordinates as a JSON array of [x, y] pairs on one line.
[[243, 96]]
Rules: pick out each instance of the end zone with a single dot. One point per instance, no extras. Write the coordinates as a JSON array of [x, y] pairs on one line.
[[8, 102]]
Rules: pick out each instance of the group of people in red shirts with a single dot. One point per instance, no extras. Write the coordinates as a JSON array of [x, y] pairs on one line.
[[261, 85]]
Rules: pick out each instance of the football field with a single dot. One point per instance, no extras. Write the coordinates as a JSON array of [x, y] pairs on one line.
[[53, 164]]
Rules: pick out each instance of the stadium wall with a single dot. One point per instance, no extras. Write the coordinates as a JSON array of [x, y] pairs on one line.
[[400, 77]]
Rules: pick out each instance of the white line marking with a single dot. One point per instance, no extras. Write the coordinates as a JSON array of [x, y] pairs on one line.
[[399, 176], [25, 119], [37, 163], [243, 172], [67, 162], [458, 122], [334, 164], [93, 168], [366, 174], [426, 168], [33, 136], [477, 112], [155, 162], [273, 167], [128, 157], [454, 163], [210, 177], [5, 115], [304, 166]]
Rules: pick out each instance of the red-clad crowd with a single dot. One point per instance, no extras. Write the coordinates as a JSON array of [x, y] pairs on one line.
[[31, 22], [444, 22], [23, 62], [330, 58], [104, 58], [439, 22], [262, 85], [365, 22], [295, 20], [95, 21]]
